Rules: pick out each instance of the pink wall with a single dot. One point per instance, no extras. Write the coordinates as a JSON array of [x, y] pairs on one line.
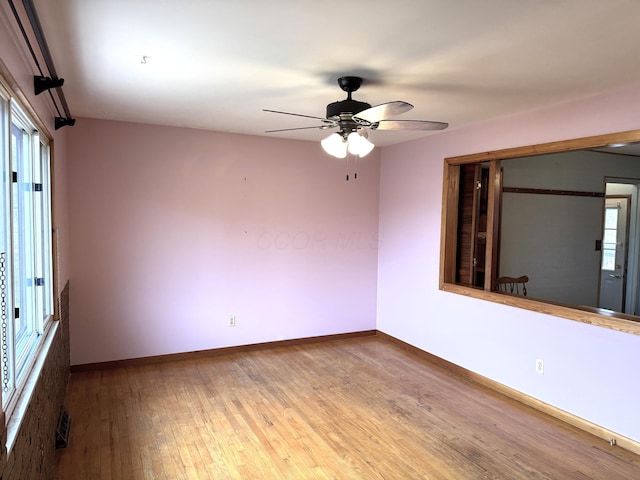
[[589, 371], [169, 231], [168, 239], [173, 230]]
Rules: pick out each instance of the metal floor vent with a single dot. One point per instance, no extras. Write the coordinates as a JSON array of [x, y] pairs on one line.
[[62, 430]]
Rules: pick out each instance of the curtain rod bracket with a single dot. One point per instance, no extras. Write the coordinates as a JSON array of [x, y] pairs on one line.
[[64, 122], [40, 84]]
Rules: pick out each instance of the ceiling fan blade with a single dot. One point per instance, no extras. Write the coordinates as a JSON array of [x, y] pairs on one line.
[[383, 111], [298, 115], [408, 125], [320, 127]]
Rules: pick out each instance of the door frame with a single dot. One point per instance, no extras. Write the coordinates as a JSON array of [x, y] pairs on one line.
[[632, 283]]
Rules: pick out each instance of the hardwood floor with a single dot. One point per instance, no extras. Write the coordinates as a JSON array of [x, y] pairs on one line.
[[345, 409]]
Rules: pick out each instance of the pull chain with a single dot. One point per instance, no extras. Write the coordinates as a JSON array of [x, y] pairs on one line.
[[347, 165], [355, 166]]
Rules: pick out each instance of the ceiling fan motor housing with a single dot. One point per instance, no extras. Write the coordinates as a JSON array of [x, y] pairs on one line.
[[348, 106], [345, 106]]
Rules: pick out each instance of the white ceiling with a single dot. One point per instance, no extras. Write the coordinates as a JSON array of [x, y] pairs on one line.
[[215, 64]]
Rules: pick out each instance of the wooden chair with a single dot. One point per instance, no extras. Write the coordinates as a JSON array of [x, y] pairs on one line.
[[513, 285]]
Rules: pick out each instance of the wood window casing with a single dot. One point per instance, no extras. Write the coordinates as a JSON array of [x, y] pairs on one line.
[[449, 274]]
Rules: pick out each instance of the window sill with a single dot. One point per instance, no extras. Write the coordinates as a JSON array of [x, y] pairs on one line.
[[590, 315], [17, 412]]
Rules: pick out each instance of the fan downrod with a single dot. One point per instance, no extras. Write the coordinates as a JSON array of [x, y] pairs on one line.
[[348, 107]]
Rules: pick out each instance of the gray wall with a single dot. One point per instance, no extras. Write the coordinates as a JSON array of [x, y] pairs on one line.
[[551, 238]]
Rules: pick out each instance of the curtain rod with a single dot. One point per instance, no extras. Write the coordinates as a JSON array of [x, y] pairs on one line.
[[41, 82]]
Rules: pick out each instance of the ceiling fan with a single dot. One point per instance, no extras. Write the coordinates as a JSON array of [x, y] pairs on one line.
[[353, 118]]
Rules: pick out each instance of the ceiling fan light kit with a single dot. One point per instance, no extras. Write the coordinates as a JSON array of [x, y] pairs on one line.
[[353, 118], [339, 144], [335, 145]]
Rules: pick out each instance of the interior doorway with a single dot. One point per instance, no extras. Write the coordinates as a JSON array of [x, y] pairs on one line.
[[619, 285], [615, 241]]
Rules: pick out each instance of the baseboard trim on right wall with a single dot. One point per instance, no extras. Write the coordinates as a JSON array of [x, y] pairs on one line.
[[569, 418]]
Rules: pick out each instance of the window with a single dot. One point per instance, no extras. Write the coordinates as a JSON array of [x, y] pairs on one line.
[[540, 211], [26, 277], [610, 239]]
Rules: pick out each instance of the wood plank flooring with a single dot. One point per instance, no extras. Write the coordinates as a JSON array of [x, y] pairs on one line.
[[346, 409]]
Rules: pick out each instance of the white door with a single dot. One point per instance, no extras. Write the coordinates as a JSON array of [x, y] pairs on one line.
[[613, 267]]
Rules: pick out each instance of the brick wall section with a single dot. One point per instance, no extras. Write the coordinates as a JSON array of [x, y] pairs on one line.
[[34, 456]]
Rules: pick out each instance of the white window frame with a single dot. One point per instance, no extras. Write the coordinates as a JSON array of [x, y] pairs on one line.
[[611, 227], [26, 252]]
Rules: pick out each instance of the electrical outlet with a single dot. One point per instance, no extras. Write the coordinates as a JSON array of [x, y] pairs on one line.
[[232, 321], [540, 366]]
